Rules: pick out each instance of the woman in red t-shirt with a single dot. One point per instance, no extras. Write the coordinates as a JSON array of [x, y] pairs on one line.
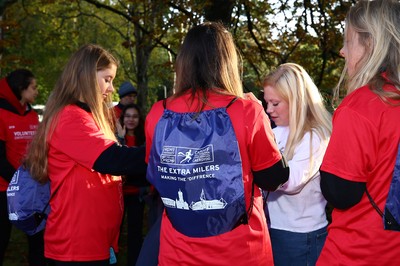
[[208, 77], [18, 123], [362, 151], [76, 149]]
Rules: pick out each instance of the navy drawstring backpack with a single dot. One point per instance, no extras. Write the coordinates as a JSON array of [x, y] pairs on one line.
[[28, 202], [196, 167]]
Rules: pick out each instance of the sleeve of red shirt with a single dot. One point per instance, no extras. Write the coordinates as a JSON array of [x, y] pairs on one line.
[[150, 124], [78, 136], [351, 151]]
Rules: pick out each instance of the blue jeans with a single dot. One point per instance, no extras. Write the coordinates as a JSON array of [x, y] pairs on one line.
[[297, 249]]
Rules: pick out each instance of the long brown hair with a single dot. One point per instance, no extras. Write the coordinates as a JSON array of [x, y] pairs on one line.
[[78, 82], [208, 60]]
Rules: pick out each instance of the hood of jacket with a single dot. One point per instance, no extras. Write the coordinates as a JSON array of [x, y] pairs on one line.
[[9, 97]]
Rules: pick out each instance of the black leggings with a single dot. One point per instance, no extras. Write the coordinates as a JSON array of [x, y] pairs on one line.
[[36, 250]]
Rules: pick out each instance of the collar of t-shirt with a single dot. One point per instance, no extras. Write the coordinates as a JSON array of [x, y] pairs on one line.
[[83, 105]]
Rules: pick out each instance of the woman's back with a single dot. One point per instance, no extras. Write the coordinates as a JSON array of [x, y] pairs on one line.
[[255, 139], [372, 134]]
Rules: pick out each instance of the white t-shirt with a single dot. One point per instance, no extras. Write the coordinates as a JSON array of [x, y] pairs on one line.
[[299, 206]]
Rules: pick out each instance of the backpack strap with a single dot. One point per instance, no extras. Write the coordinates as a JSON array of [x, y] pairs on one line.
[[390, 221], [231, 102], [51, 196], [245, 218], [374, 204], [40, 216], [250, 210]]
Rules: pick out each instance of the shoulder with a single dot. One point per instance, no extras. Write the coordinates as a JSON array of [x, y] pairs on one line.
[[314, 138], [156, 110], [248, 104], [154, 114], [6, 106], [362, 104], [73, 115], [247, 108], [73, 110], [362, 99], [33, 114]]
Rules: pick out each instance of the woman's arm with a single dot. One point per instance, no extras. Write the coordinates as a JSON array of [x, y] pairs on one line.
[[121, 160], [339, 192], [273, 177], [305, 163]]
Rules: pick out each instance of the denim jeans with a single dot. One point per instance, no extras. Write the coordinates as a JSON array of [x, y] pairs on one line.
[[297, 249]]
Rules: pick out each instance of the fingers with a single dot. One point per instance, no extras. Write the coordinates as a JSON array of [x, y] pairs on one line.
[[252, 97]]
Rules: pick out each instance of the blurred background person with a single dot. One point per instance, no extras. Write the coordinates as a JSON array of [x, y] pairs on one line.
[[136, 189], [127, 95], [18, 124]]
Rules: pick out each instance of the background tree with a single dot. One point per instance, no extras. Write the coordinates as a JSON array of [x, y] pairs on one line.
[[146, 34], [5, 26]]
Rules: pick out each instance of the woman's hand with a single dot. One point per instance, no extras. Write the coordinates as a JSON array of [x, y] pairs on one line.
[[252, 97], [121, 130]]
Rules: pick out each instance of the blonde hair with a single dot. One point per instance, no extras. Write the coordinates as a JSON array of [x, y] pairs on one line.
[[377, 26], [208, 60], [307, 112], [78, 82]]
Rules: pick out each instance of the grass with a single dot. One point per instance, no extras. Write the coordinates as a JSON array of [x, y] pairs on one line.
[[17, 250]]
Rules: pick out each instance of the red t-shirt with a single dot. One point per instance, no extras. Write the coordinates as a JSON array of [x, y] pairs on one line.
[[363, 148], [17, 132], [246, 244], [117, 111], [130, 141], [86, 211]]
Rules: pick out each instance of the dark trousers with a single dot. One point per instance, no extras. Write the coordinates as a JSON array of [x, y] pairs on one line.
[[134, 208], [149, 253], [36, 250]]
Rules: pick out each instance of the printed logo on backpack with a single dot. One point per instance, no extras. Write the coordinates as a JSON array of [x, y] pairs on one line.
[[196, 167]]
